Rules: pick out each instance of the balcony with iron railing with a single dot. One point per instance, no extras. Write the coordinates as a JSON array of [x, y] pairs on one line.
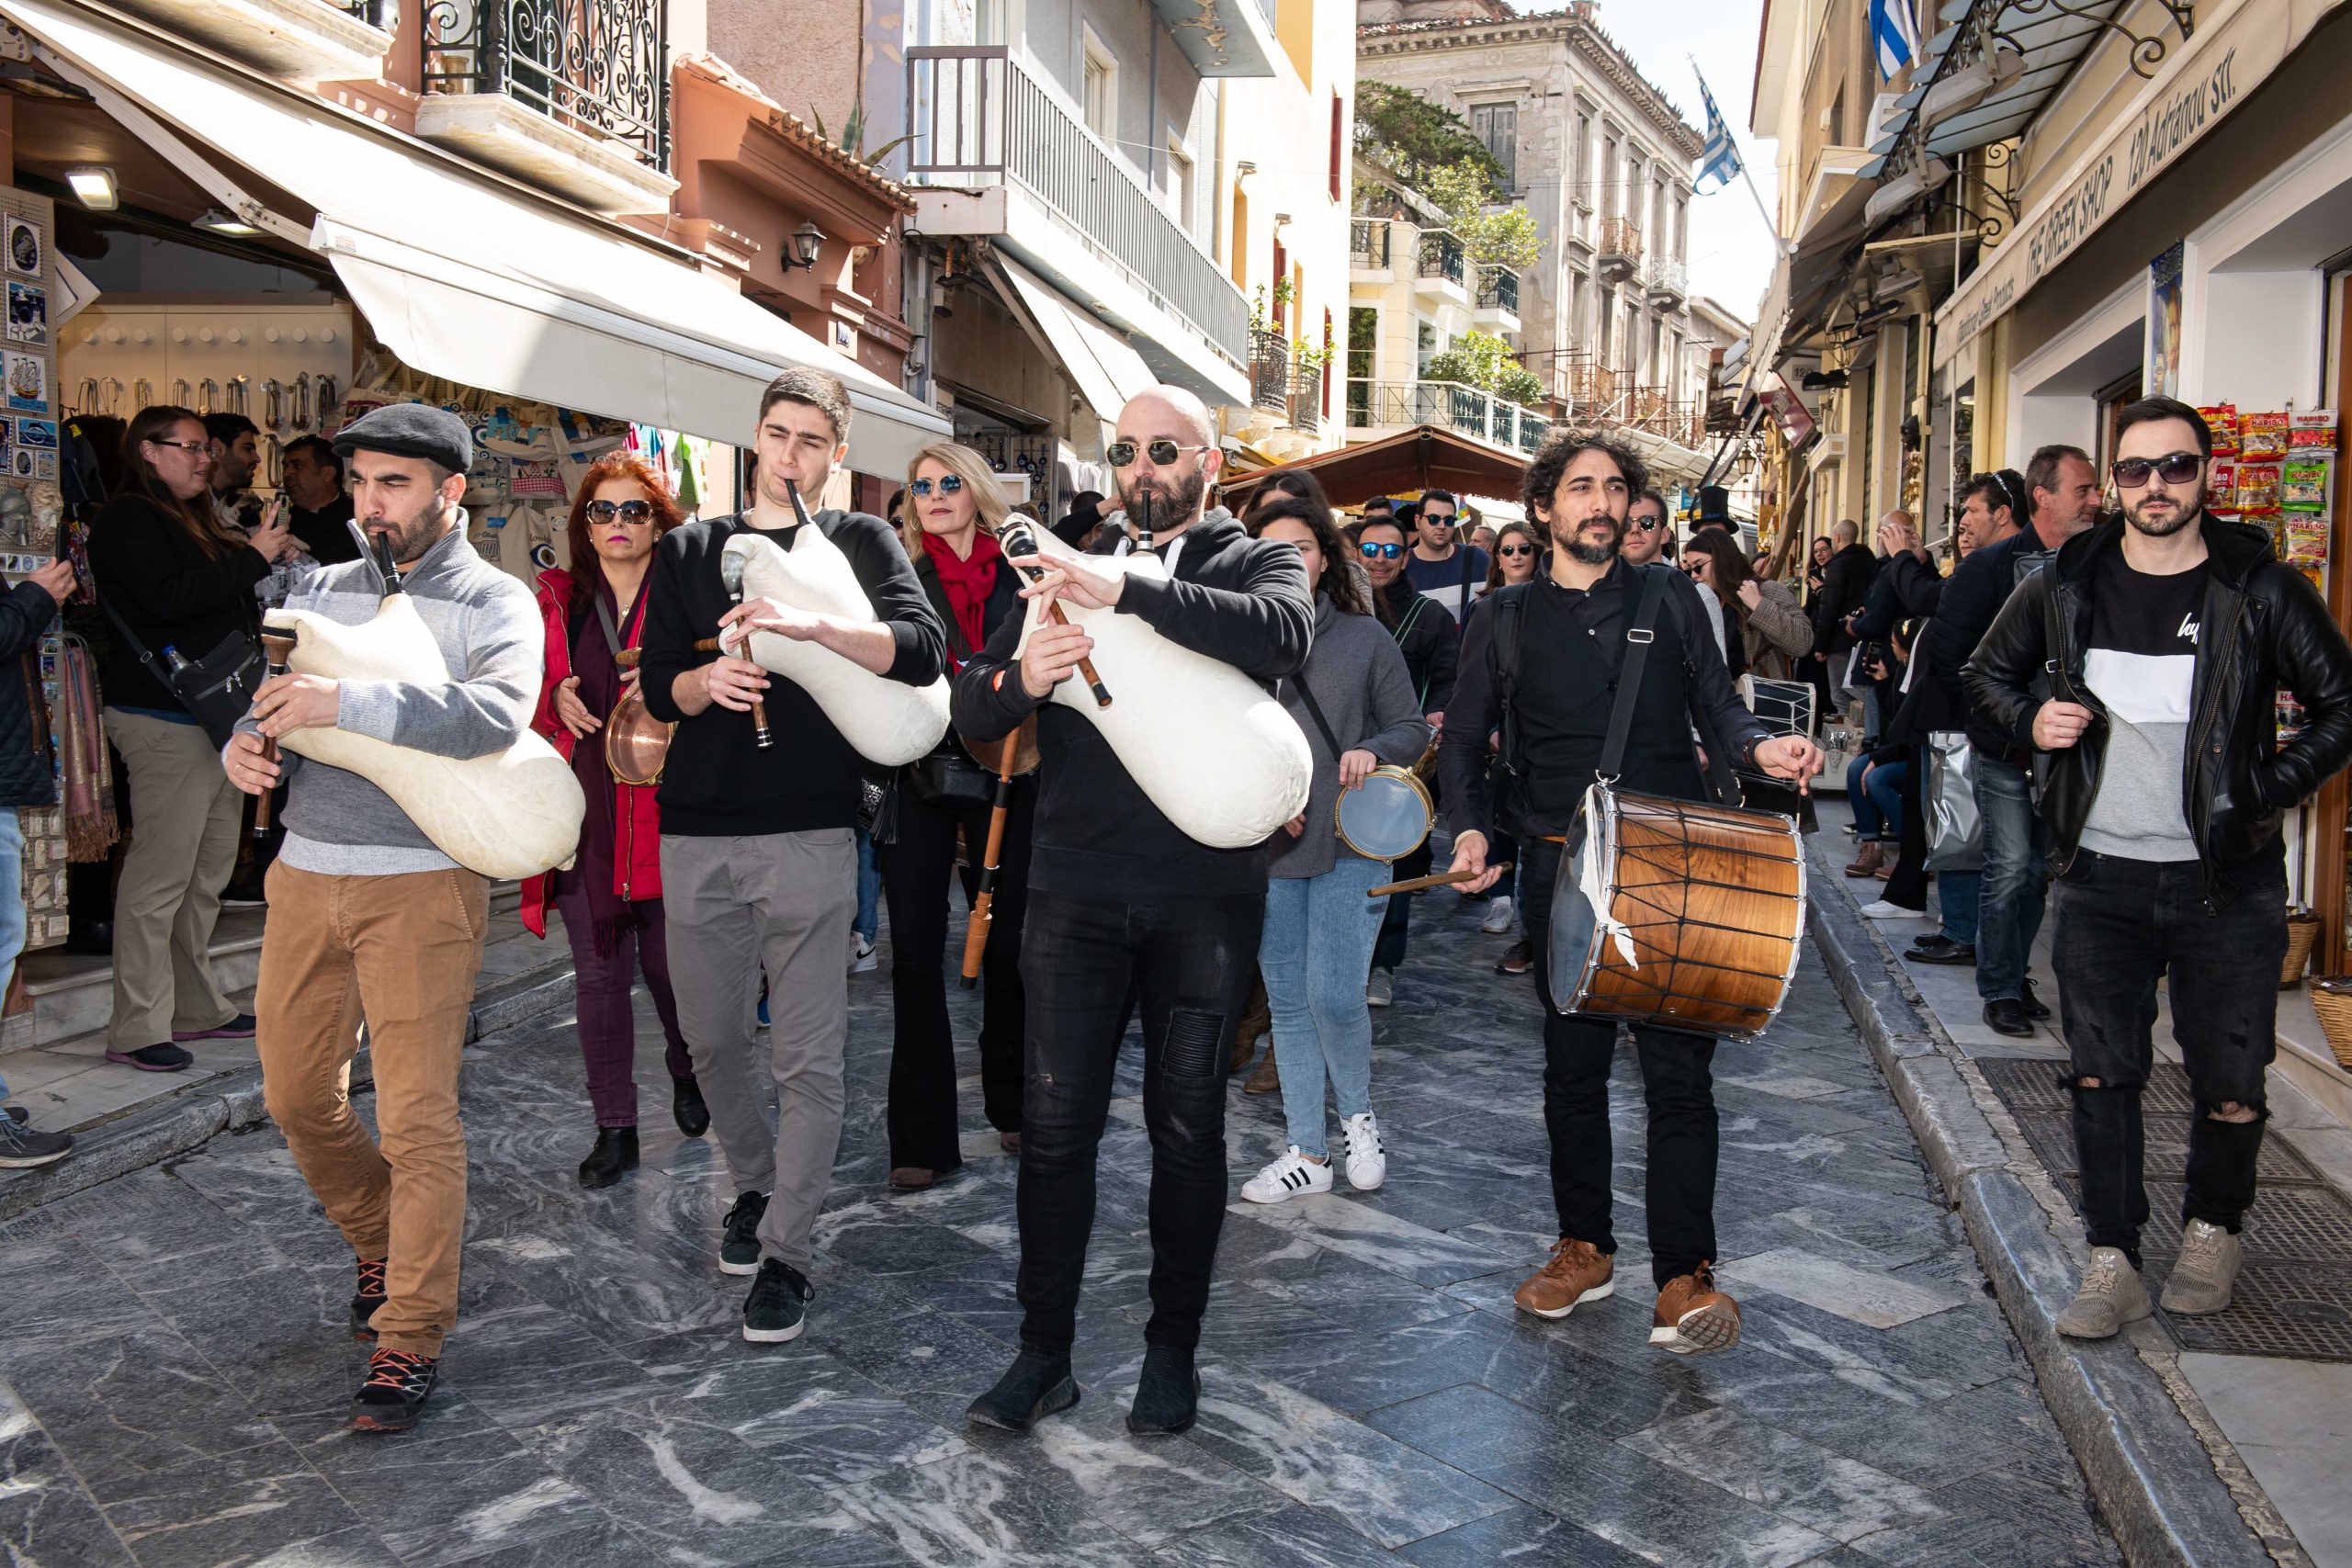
[[298, 40], [1379, 406], [1668, 281], [1307, 398], [1591, 388], [1443, 266], [1269, 370], [572, 96], [1368, 246], [979, 118], [1498, 304], [1619, 257]]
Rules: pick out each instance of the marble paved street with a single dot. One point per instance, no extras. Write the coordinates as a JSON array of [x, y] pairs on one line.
[[173, 1368]]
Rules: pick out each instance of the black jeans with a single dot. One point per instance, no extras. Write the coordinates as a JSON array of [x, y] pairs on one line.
[[1190, 962], [2120, 925], [915, 873], [1677, 1082]]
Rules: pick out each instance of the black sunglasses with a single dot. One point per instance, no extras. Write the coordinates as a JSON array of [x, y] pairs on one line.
[[636, 514], [1163, 451], [1515, 550], [2173, 468], [948, 485], [1648, 524], [1380, 552]]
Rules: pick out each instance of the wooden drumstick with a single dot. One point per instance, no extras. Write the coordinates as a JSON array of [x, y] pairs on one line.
[[976, 929], [277, 648], [1443, 879]]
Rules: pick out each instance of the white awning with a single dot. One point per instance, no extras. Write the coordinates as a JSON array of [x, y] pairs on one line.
[[477, 281], [1105, 367]]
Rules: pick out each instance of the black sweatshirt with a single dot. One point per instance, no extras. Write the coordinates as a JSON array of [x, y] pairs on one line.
[[1240, 600], [154, 574], [716, 782]]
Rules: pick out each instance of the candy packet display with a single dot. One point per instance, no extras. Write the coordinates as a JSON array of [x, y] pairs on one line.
[[2302, 540], [2222, 420], [2262, 436], [2258, 489], [2310, 431], [2302, 485], [2222, 488]]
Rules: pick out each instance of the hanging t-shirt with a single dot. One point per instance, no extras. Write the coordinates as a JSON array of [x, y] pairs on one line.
[[2142, 664]]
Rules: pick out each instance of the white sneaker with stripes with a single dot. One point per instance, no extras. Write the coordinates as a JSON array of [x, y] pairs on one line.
[[1292, 1176], [1367, 1160]]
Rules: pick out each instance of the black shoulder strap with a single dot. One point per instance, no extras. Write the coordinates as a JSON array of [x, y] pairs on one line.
[[154, 665], [1314, 710], [1509, 605], [1639, 635]]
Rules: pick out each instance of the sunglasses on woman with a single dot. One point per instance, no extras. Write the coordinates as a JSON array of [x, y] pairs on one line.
[[1380, 551], [1163, 452], [949, 484], [635, 514], [1516, 550], [2173, 468]]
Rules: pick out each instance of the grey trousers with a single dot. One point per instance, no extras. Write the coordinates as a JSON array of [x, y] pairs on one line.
[[783, 902]]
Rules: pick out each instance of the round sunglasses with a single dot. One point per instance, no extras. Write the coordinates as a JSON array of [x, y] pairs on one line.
[[1163, 452], [949, 484], [1387, 551]]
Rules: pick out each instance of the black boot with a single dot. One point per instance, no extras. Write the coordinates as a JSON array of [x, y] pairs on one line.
[[686, 1104], [1037, 1385], [615, 1152], [1167, 1395]]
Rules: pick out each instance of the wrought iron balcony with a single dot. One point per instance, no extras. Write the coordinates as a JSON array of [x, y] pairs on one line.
[[1620, 255], [977, 119], [1368, 244], [598, 71], [1443, 256], [1269, 370], [1499, 289], [1307, 398], [1668, 281], [1400, 405]]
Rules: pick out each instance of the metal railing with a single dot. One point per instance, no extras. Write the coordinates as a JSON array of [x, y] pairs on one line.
[[1621, 237], [1307, 398], [1497, 290], [374, 13], [975, 116], [1368, 243], [599, 67], [1380, 405], [1592, 386], [1269, 370], [1668, 276], [1441, 255]]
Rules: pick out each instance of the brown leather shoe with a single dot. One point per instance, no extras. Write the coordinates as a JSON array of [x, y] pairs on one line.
[[911, 1179], [1692, 1316], [1868, 861], [1267, 1078], [1256, 1020], [1576, 1273]]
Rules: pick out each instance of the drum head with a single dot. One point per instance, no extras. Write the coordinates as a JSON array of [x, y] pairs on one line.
[[1387, 818]]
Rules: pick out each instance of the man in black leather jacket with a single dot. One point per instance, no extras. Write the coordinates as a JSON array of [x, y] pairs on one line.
[[2165, 636]]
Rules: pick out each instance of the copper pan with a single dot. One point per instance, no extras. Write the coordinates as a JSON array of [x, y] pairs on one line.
[[637, 744]]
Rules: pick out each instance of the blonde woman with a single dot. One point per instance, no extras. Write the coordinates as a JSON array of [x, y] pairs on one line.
[[949, 524]]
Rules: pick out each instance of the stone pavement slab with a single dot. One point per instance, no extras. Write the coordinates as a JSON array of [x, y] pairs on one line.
[[173, 1368]]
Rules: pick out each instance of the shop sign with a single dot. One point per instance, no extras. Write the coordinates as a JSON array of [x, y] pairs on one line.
[[1787, 409], [2209, 79]]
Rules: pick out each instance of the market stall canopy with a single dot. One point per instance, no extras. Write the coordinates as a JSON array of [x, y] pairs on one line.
[[1424, 457], [469, 278]]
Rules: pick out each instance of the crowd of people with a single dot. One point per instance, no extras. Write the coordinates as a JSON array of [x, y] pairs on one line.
[[2110, 676]]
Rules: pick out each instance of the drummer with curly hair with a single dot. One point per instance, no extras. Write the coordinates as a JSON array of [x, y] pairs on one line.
[[1540, 666]]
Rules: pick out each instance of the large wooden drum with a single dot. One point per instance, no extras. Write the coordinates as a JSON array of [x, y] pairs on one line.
[[1676, 913]]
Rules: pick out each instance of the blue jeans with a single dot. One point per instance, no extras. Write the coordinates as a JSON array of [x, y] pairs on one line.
[[1878, 809], [1316, 943], [12, 903], [2017, 847], [1959, 897], [869, 889]]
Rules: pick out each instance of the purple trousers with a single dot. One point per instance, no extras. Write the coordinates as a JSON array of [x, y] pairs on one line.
[[607, 1026]]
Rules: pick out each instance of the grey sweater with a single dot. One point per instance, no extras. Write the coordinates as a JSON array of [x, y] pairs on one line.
[[1358, 677], [338, 824]]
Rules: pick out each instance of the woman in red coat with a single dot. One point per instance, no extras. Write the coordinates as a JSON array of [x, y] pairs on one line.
[[611, 897]]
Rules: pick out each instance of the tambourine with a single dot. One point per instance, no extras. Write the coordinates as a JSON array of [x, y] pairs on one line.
[[1387, 817]]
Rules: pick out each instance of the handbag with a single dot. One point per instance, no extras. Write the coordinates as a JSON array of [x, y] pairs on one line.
[[218, 689], [1955, 828], [948, 780]]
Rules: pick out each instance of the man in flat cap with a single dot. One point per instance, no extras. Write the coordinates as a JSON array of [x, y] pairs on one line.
[[366, 918]]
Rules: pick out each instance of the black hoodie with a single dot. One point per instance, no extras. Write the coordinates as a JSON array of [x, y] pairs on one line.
[[1240, 600]]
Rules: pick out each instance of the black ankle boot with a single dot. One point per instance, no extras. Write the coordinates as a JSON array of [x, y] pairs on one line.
[[615, 1152], [1167, 1395], [1037, 1385], [686, 1104]]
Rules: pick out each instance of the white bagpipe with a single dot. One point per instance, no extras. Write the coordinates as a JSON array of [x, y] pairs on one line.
[[512, 814], [1220, 758], [885, 721]]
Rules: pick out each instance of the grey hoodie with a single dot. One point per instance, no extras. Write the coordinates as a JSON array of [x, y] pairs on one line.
[[1359, 679], [493, 645]]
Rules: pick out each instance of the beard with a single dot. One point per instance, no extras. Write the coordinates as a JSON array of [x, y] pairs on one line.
[[2185, 512], [1581, 549], [419, 534], [1172, 501]]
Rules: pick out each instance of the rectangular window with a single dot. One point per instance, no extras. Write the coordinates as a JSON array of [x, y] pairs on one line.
[[1611, 193], [1424, 344], [1582, 159], [1497, 126], [1338, 145], [1176, 182], [1101, 99]]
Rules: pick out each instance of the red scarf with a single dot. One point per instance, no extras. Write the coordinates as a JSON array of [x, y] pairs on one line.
[[968, 582]]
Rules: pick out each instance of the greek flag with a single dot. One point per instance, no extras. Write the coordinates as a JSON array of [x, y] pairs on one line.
[[1719, 160], [1895, 33]]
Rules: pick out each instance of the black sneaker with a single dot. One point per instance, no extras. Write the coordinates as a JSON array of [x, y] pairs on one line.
[[739, 1243], [21, 1148], [1167, 1395], [1034, 1386], [367, 1298], [399, 1382], [162, 1058], [777, 1308]]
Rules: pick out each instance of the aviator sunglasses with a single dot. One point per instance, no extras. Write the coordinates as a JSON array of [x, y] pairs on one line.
[[2173, 468], [949, 484], [636, 514], [1162, 451]]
